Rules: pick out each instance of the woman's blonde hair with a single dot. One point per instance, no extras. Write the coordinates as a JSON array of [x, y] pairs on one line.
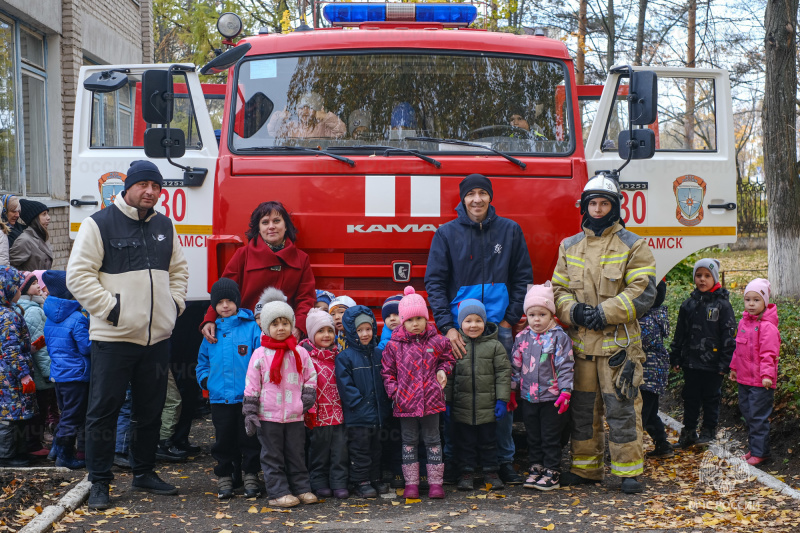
[[13, 205]]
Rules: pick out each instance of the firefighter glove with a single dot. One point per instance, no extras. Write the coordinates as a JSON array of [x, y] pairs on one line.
[[623, 375], [579, 313], [500, 410], [594, 319], [250, 412]]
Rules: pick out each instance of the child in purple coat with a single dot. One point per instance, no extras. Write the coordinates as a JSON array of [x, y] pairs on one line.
[[415, 366]]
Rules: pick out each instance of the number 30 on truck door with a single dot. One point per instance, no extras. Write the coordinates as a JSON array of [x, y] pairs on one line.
[[174, 208]]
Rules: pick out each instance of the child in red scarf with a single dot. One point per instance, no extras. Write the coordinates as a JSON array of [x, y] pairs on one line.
[[279, 387], [328, 458]]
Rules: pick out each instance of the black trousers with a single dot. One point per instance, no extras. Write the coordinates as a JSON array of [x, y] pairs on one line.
[[364, 446], [282, 450], [701, 388], [186, 341], [232, 446], [473, 443], [114, 364], [328, 458], [650, 420], [543, 426]]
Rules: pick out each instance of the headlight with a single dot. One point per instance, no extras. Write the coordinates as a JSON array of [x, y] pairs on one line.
[[229, 25]]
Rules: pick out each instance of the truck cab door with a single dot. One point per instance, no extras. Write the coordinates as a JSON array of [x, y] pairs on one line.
[[683, 199], [108, 135]]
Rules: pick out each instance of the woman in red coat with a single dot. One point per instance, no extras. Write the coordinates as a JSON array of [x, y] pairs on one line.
[[270, 259]]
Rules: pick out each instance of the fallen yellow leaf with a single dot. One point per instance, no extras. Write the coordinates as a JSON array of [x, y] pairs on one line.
[[252, 509], [549, 527], [412, 500]]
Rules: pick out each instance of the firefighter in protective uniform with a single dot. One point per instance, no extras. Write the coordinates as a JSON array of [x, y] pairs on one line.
[[604, 281]]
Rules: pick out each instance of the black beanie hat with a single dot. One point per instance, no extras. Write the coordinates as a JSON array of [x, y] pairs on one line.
[[30, 209], [224, 289], [143, 171], [56, 283], [475, 181]]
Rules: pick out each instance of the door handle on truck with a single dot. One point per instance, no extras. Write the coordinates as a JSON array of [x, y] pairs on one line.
[[77, 203], [730, 206]]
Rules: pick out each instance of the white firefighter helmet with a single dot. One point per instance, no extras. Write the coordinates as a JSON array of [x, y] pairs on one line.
[[601, 186]]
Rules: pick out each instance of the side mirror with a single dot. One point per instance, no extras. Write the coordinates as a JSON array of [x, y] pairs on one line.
[[637, 144], [644, 98], [107, 81], [226, 60], [157, 96], [157, 145]]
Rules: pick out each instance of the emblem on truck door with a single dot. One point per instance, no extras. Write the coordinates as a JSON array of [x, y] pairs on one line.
[[401, 271], [689, 193], [110, 185]]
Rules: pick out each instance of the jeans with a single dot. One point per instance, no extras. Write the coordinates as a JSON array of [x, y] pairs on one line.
[[114, 365], [505, 441], [124, 425]]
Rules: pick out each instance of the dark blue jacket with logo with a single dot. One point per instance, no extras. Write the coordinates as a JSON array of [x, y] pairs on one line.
[[67, 334], [487, 261], [358, 375], [225, 363]]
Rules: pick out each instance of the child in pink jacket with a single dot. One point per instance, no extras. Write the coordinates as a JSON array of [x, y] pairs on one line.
[[755, 366], [279, 387], [415, 366]]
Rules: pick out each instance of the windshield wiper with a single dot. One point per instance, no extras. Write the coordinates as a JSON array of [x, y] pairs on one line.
[[301, 149], [388, 150], [514, 160]]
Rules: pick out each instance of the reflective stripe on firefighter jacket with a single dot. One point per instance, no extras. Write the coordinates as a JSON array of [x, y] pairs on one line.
[[614, 272]]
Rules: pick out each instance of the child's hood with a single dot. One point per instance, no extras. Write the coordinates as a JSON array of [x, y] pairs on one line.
[[59, 309], [327, 355], [10, 281], [349, 325], [770, 315], [242, 314], [401, 334], [489, 333], [26, 302]]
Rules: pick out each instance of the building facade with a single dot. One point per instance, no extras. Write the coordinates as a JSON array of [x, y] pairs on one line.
[[43, 44]]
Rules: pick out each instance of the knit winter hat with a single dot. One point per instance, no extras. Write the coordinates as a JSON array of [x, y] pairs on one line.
[[712, 265], [316, 320], [542, 296], [391, 306], [363, 318], [760, 286], [56, 281], [225, 289], [468, 307], [27, 280], [475, 181], [143, 171], [30, 209], [346, 301], [38, 274], [325, 296], [412, 305], [273, 305]]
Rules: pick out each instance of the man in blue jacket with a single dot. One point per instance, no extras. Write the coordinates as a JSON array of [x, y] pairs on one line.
[[483, 256]]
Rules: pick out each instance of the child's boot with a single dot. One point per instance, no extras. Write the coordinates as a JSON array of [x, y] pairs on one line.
[[436, 480], [411, 475], [252, 488], [687, 439], [66, 454], [662, 450], [53, 455]]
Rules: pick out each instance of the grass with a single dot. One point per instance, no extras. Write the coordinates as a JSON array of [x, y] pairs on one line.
[[739, 268]]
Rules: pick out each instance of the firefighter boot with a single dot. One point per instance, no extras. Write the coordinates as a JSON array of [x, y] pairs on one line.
[[630, 485]]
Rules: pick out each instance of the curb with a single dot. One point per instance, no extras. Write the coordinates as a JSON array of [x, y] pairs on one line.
[[762, 477], [36, 468], [52, 513]]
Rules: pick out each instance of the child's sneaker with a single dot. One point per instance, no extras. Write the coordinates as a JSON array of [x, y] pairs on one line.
[[225, 487], [398, 482], [466, 482], [549, 480], [533, 476], [491, 478]]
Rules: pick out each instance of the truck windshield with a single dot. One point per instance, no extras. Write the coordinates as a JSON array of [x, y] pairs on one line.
[[510, 103]]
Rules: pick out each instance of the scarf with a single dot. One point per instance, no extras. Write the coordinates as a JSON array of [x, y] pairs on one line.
[[280, 350], [599, 225]]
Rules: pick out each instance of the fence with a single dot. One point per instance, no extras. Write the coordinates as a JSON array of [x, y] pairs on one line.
[[751, 198]]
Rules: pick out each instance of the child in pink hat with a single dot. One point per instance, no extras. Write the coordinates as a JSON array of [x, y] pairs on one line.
[[415, 366], [754, 366], [542, 368]]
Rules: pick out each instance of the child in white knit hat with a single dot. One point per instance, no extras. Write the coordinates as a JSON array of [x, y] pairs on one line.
[[542, 368], [279, 387]]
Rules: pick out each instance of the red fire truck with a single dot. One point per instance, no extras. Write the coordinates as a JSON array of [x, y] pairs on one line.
[[365, 129]]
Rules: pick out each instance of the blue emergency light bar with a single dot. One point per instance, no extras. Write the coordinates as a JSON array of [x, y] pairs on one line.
[[449, 15]]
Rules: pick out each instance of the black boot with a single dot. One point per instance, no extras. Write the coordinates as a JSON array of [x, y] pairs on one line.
[[509, 475], [167, 452], [707, 436], [98, 496], [662, 450], [568, 479], [66, 454], [631, 485], [686, 440]]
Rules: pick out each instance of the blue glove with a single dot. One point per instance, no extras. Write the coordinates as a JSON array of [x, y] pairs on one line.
[[500, 410], [446, 414]]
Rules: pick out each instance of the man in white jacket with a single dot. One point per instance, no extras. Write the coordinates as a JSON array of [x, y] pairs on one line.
[[128, 271]]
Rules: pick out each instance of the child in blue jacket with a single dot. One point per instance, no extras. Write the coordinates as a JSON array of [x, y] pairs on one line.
[[221, 370], [67, 333]]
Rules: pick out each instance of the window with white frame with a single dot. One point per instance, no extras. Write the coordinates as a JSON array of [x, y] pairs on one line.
[[23, 104]]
